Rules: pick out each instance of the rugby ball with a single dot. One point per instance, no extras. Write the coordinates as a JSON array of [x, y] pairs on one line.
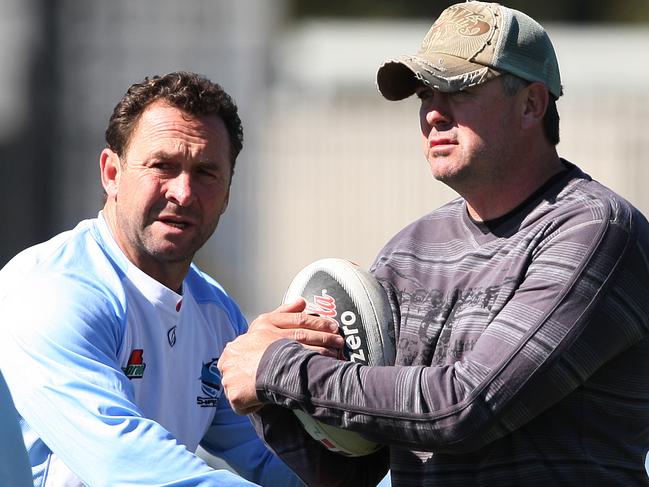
[[343, 291]]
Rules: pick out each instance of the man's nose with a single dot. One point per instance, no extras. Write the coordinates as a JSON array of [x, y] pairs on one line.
[[437, 115], [180, 189]]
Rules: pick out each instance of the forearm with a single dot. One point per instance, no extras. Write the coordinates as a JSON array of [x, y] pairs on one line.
[[389, 405], [133, 450]]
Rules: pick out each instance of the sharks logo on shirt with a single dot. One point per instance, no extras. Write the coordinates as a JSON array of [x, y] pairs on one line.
[[210, 385]]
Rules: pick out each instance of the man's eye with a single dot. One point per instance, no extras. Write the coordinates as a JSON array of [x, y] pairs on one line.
[[208, 173], [162, 166]]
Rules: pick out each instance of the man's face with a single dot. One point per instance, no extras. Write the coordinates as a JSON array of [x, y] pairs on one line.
[[466, 135], [170, 188]]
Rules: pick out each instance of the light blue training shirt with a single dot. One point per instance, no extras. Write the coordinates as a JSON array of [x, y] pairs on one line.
[[115, 375]]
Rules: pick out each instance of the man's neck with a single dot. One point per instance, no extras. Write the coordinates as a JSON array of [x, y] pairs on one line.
[[502, 197], [169, 274]]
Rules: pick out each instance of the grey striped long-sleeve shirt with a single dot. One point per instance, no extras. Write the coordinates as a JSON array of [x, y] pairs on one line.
[[522, 353]]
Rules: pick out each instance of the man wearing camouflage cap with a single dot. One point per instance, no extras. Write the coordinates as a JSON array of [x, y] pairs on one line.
[[521, 308]]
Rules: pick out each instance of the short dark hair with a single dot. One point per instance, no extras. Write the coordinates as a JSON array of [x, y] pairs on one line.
[[189, 92], [513, 84]]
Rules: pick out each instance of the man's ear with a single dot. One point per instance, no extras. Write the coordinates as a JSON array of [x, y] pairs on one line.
[[110, 170], [535, 103]]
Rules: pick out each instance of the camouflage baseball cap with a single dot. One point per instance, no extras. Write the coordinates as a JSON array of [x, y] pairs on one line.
[[471, 43]]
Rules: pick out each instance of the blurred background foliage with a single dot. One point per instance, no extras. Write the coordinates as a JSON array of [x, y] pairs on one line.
[[580, 11]]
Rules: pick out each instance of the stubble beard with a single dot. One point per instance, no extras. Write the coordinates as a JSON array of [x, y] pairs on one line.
[[467, 173], [166, 250]]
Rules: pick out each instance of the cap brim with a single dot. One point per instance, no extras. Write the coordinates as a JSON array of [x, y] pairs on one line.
[[399, 78]]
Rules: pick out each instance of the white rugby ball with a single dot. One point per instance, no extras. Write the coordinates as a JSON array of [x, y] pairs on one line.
[[345, 292]]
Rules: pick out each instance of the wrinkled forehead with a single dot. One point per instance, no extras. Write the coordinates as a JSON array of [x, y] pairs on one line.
[[162, 126]]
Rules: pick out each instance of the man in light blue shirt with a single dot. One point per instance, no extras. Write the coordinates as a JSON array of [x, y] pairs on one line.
[[111, 335]]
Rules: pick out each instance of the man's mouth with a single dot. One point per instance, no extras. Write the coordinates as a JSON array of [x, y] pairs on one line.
[[441, 141], [175, 222]]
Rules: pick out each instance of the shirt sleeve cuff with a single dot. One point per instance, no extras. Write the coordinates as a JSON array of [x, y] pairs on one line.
[[278, 375]]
